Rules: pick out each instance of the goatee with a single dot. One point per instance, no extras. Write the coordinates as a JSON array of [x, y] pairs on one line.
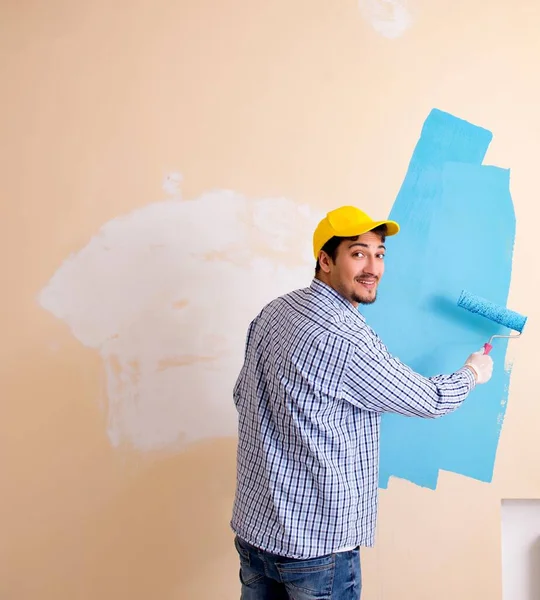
[[363, 300]]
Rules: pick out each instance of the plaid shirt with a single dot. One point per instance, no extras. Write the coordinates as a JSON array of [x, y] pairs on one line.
[[309, 396]]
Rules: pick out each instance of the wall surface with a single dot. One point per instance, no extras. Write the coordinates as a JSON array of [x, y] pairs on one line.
[[163, 166], [521, 549]]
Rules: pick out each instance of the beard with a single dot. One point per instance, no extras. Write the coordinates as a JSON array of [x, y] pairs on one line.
[[364, 299]]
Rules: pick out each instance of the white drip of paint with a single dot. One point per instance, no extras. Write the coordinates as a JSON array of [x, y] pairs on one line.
[[390, 18], [166, 293]]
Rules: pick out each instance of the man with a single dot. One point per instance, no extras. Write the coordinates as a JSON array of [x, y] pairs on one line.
[[310, 395]]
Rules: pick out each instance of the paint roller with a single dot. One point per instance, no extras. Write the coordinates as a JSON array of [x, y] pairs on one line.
[[494, 312]]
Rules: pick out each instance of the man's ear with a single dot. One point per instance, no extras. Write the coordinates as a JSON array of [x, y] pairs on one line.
[[324, 261]]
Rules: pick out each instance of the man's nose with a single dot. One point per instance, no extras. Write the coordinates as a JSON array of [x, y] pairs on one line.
[[371, 266]]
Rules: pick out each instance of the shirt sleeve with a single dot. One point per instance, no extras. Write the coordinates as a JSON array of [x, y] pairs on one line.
[[379, 382]]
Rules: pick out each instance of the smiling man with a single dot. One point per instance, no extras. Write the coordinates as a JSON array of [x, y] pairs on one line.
[[314, 384], [358, 272]]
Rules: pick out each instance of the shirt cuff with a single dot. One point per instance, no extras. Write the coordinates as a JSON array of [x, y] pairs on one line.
[[469, 375]]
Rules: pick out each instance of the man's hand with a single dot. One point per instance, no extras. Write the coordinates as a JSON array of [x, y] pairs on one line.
[[481, 364]]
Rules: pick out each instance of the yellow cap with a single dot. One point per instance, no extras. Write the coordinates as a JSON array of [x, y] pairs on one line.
[[346, 221]]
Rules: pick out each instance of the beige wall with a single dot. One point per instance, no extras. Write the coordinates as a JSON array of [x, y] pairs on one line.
[[117, 438]]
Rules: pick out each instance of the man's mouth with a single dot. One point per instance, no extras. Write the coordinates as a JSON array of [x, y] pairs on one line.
[[367, 282]]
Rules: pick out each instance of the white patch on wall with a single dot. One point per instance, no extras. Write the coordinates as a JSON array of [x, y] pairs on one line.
[[390, 18], [171, 184], [166, 293]]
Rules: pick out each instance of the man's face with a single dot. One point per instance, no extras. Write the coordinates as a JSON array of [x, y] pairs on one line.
[[358, 268]]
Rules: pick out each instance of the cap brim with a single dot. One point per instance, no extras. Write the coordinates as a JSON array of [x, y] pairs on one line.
[[391, 227]]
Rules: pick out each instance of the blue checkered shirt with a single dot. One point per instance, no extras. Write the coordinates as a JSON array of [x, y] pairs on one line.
[[309, 397]]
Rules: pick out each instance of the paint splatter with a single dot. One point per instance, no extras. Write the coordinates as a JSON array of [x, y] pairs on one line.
[[166, 293], [390, 18], [458, 229]]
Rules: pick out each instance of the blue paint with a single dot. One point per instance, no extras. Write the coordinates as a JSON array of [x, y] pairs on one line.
[[457, 232]]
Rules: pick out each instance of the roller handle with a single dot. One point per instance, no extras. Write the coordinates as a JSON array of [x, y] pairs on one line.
[[487, 348]]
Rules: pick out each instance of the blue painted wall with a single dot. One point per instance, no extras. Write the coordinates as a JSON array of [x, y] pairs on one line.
[[457, 232]]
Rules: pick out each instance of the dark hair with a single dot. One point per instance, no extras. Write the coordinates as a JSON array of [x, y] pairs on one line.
[[332, 245]]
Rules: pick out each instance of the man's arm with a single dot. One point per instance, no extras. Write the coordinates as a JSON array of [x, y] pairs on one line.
[[379, 382], [240, 379]]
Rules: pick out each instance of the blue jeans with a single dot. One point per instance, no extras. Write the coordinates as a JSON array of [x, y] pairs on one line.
[[266, 576]]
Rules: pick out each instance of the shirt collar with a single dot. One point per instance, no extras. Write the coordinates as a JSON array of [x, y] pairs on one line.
[[331, 296]]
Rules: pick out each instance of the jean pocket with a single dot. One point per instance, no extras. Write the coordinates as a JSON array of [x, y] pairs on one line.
[[310, 579], [249, 575], [243, 552]]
